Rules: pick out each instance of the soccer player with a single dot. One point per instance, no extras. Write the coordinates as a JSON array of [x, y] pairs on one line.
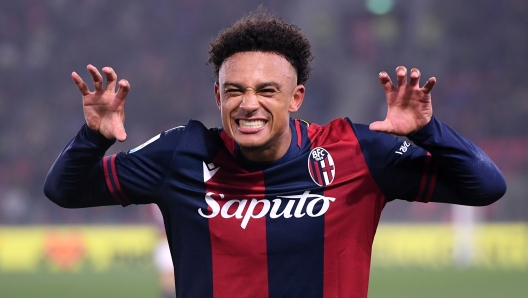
[[268, 205]]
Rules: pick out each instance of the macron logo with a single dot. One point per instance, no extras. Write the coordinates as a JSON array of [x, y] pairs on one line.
[[403, 148], [209, 170]]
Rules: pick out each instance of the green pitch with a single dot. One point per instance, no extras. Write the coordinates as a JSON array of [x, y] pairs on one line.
[[452, 283], [130, 283], [393, 283]]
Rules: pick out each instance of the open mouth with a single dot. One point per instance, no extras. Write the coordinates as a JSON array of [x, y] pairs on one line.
[[251, 124]]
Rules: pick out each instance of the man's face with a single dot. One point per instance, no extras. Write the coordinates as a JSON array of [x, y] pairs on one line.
[[256, 92]]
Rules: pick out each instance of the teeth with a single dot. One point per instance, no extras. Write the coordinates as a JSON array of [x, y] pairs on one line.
[[251, 123]]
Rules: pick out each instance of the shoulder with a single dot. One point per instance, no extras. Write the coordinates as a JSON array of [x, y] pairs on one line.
[[333, 129], [373, 139], [194, 132], [380, 148], [374, 145], [341, 129], [161, 140]]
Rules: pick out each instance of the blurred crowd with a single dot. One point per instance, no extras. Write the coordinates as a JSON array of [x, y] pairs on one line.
[[477, 49]]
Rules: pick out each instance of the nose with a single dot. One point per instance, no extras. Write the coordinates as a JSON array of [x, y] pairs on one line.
[[249, 101]]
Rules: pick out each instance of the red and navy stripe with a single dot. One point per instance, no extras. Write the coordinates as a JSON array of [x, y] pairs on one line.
[[350, 224], [337, 261], [295, 269], [428, 180], [112, 181]]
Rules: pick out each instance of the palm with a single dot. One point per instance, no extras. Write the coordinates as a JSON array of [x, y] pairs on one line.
[[103, 107], [409, 106]]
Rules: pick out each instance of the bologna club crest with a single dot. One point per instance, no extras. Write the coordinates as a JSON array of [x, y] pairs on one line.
[[321, 166]]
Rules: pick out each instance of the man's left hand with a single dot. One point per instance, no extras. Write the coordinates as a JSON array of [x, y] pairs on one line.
[[409, 106]]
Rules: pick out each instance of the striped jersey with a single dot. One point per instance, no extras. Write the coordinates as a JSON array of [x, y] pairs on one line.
[[300, 226]]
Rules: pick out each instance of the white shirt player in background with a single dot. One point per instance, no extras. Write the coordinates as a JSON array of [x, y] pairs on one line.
[[162, 257]]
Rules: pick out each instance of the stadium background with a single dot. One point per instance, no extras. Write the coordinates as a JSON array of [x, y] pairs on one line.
[[477, 49]]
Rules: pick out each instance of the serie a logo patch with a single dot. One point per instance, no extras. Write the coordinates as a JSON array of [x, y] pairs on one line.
[[321, 166]]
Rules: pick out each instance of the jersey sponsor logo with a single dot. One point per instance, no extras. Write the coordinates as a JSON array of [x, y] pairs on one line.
[[321, 166], [295, 207], [209, 170], [403, 148]]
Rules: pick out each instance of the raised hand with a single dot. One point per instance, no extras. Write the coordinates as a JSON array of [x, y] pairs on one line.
[[104, 107], [409, 106]]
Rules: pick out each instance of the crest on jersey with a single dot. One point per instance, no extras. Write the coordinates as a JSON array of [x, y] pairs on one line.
[[321, 166]]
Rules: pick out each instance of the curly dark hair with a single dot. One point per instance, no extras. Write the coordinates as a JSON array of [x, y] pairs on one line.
[[261, 32]]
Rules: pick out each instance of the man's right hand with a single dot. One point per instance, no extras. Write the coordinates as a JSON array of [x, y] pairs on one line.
[[104, 108]]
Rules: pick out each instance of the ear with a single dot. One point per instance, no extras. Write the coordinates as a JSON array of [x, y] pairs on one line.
[[297, 99], [217, 94]]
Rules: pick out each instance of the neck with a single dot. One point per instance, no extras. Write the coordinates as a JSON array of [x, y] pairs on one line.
[[273, 150]]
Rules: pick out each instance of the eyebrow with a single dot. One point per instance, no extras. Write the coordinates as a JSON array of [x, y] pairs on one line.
[[259, 86]]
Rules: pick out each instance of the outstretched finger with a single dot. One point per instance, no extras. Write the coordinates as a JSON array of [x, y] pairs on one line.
[[81, 85], [124, 87], [401, 74], [96, 77], [429, 85], [111, 78], [415, 77], [120, 133], [385, 82], [382, 126]]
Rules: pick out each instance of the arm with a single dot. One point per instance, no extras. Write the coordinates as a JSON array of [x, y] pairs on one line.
[[451, 170], [83, 177], [466, 175], [446, 167], [77, 179]]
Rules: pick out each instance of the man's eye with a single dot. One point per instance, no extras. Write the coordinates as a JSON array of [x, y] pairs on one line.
[[234, 92], [268, 92]]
